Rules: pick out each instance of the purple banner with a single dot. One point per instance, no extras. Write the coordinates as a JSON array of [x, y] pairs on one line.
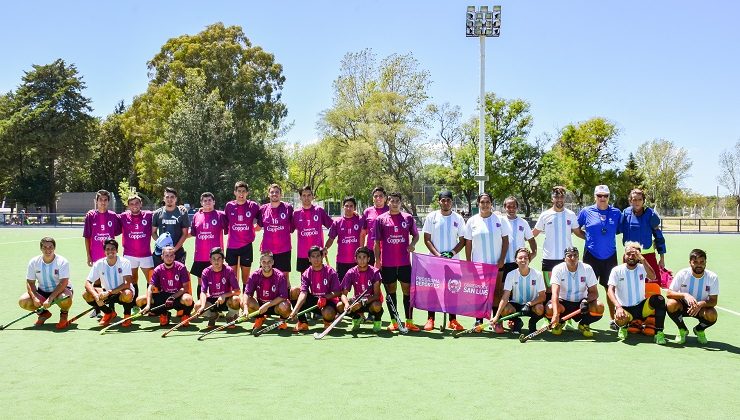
[[451, 285]]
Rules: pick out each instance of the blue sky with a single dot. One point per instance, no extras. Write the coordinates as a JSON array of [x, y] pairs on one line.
[[658, 69]]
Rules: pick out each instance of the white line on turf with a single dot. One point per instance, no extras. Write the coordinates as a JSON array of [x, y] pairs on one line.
[[727, 310], [35, 240]]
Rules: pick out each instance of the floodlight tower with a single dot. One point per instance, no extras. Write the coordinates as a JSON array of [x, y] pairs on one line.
[[482, 23]]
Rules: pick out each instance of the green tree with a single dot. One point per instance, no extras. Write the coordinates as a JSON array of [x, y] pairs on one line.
[[665, 167], [113, 153], [311, 165], [729, 167], [519, 169]]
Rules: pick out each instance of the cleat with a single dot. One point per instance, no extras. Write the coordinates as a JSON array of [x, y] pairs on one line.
[[164, 319], [107, 318], [701, 336], [377, 326], [478, 327], [498, 328], [516, 328], [43, 316], [257, 322], [356, 324], [411, 326], [284, 325], [127, 321], [62, 324], [660, 338], [585, 330], [455, 326], [613, 325], [429, 325], [681, 337], [623, 333], [179, 312], [184, 320], [300, 326], [558, 329], [211, 324], [393, 327]]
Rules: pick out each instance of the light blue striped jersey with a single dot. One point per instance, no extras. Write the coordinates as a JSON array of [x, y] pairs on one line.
[[629, 285], [48, 276], [520, 234], [446, 231], [110, 276], [558, 228], [573, 285], [524, 288], [485, 235], [699, 288]]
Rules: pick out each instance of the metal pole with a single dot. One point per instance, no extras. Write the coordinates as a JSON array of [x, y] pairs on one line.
[[482, 122]]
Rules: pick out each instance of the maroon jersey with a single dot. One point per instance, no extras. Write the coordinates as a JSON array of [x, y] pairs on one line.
[[320, 282], [361, 280], [170, 280], [267, 288], [215, 284]]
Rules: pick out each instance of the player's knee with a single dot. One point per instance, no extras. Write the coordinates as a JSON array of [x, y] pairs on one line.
[[508, 309], [548, 310], [141, 301], [390, 288], [340, 306], [294, 292], [657, 302], [672, 306], [328, 313], [87, 296], [596, 308], [252, 304], [539, 309], [709, 315], [66, 304], [376, 307], [186, 299], [26, 302], [233, 302], [127, 296], [283, 309]]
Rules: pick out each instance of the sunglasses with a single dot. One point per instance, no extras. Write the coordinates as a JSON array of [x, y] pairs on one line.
[[602, 195]]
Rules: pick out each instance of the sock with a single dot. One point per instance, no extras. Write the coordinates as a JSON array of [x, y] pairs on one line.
[[703, 324], [657, 302], [430, 315], [453, 317], [136, 291], [378, 316], [533, 322], [105, 309], [127, 308], [677, 317], [408, 310]]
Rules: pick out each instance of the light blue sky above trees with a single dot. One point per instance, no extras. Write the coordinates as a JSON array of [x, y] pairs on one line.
[[659, 69]]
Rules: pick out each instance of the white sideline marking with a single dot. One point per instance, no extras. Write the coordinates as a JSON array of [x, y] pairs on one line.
[[727, 310], [35, 240]]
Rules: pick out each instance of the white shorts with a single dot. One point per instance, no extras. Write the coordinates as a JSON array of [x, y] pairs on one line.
[[143, 262]]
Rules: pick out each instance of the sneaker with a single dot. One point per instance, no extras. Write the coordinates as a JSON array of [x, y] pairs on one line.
[[682, 334], [257, 322], [455, 326], [377, 326], [300, 326], [613, 325], [106, 319], [478, 327], [585, 330], [179, 312], [356, 324], [284, 325], [516, 326], [62, 324], [184, 320], [701, 336], [557, 329], [429, 325], [411, 326], [126, 320], [393, 327], [660, 338], [164, 319], [498, 328], [43, 316], [622, 333]]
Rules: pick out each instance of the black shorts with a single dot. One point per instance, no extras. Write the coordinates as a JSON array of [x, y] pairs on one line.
[[602, 268], [312, 300], [301, 264], [548, 265], [508, 268], [342, 269], [180, 256], [244, 256], [67, 291], [636, 310], [160, 298], [282, 261], [393, 274], [270, 310], [197, 268], [218, 308]]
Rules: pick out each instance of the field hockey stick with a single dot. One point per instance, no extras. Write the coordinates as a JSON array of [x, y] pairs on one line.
[[228, 324], [131, 318], [76, 317], [401, 325], [181, 323], [281, 322], [524, 338], [34, 312], [319, 336], [503, 318]]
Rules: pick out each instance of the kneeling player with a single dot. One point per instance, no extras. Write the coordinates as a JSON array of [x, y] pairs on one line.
[[574, 287], [114, 275], [362, 277], [218, 284], [271, 289], [524, 290], [694, 292], [626, 290], [47, 279], [319, 286], [168, 286]]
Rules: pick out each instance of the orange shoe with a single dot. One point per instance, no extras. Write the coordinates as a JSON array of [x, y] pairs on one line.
[[62, 324], [258, 322], [411, 326], [43, 316], [393, 327], [184, 320], [164, 319], [126, 320], [479, 327], [106, 319], [429, 325], [179, 312], [284, 325], [300, 326], [498, 328], [455, 326]]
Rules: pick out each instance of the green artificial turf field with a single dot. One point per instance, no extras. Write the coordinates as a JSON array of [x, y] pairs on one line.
[[135, 374]]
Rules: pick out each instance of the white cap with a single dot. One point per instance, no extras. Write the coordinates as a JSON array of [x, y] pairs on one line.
[[601, 189]]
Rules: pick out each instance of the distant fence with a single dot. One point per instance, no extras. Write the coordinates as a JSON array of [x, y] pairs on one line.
[[42, 220], [700, 225]]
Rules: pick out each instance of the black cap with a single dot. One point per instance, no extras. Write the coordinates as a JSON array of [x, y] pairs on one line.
[[445, 194]]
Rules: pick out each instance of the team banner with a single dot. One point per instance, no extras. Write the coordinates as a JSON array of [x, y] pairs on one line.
[[452, 285]]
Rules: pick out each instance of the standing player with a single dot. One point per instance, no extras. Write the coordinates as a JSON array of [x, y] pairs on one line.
[[627, 293], [240, 216], [218, 284], [308, 222], [276, 218], [520, 233], [368, 220], [487, 241], [444, 236], [208, 227], [47, 279], [347, 231], [319, 286], [137, 238], [361, 277], [524, 290], [642, 224], [600, 224], [174, 220], [114, 275], [168, 286], [694, 292], [267, 291], [574, 287], [101, 224], [393, 257]]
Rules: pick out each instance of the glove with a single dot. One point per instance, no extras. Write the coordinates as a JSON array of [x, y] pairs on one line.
[[526, 309], [584, 307], [321, 303], [447, 254], [169, 303]]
